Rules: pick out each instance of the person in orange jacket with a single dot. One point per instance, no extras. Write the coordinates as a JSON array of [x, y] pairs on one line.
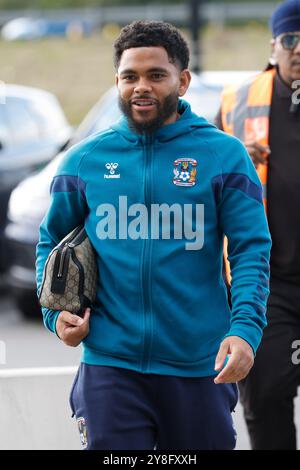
[[264, 113]]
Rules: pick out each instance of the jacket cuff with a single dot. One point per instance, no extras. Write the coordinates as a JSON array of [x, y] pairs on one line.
[[252, 336], [50, 319]]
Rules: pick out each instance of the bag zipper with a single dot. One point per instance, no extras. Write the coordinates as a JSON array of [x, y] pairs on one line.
[[64, 250], [62, 261]]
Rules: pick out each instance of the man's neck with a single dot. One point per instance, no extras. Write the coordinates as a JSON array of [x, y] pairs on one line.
[[172, 119], [284, 81]]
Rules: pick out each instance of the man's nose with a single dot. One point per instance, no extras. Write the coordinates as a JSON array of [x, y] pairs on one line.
[[142, 86]]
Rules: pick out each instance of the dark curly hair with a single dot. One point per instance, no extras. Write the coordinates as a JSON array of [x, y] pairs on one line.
[[153, 33]]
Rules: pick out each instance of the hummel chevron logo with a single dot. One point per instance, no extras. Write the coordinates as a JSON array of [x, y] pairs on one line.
[[112, 170]]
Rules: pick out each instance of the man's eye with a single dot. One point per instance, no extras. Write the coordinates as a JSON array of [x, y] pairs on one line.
[[129, 77], [157, 76]]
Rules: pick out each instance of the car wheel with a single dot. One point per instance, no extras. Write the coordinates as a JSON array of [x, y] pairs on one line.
[[27, 303]]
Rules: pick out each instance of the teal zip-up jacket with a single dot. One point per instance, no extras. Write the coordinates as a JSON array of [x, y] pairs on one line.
[[161, 302]]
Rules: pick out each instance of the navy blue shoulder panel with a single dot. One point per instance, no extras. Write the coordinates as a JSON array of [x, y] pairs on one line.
[[236, 181], [68, 184]]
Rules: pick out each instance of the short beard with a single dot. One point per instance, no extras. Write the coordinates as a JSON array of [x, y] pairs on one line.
[[164, 112]]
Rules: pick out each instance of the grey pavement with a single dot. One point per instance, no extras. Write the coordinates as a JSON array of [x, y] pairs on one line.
[[29, 343]]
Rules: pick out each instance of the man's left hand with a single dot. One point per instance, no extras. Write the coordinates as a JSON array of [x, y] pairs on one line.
[[240, 362]]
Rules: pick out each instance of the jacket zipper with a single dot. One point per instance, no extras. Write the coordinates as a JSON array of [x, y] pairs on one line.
[[146, 261]]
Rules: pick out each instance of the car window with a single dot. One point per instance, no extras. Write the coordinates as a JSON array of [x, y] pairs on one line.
[[206, 103], [47, 115], [22, 126], [105, 119]]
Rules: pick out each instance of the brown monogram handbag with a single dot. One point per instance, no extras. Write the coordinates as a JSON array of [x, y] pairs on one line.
[[70, 274]]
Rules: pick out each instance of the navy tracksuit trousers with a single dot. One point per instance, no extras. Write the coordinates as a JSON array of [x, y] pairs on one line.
[[120, 409]]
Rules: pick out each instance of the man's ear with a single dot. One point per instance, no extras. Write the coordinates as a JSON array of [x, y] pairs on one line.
[[116, 79], [273, 58], [185, 80]]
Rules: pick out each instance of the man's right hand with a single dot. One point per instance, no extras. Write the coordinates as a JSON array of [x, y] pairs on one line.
[[71, 328], [257, 152]]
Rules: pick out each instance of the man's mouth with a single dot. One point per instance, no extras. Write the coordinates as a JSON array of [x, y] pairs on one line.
[[143, 104]]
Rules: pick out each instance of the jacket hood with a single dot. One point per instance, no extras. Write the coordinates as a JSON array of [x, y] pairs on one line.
[[187, 123]]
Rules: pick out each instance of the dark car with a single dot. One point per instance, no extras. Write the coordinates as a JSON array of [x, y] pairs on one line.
[[30, 200], [33, 128]]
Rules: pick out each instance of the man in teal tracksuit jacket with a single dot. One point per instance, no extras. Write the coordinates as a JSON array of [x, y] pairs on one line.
[[157, 192]]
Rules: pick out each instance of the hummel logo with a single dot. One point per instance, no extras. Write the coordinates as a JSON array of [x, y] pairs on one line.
[[112, 170]]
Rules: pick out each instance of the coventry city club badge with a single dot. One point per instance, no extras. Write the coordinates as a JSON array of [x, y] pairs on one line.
[[185, 172]]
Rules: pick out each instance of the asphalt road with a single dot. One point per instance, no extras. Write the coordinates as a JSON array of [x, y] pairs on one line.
[[29, 344]]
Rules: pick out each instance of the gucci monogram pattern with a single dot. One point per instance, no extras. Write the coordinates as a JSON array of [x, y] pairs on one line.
[[86, 256], [70, 300]]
